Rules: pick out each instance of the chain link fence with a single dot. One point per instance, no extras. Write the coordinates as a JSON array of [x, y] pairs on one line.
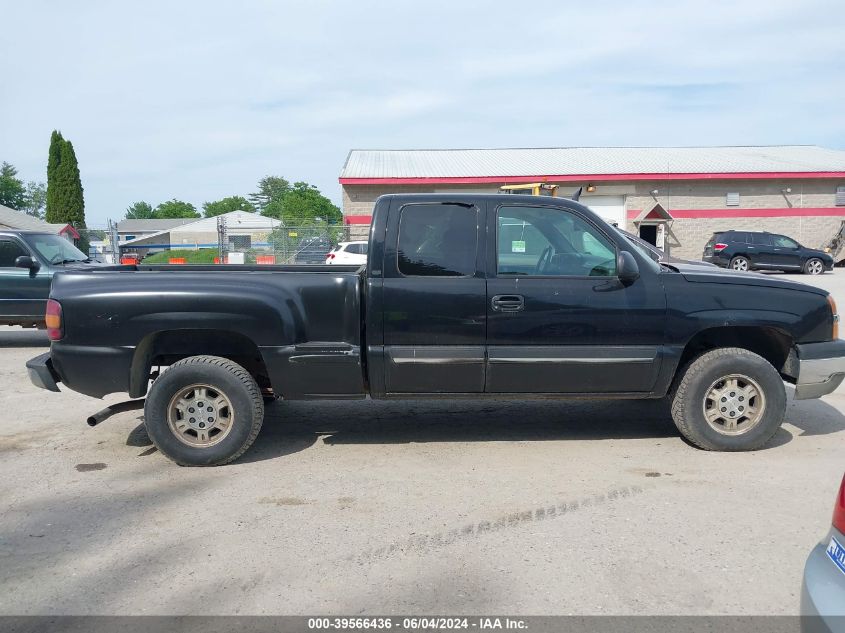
[[239, 240]]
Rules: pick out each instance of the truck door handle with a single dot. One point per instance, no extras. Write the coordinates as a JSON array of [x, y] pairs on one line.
[[508, 303]]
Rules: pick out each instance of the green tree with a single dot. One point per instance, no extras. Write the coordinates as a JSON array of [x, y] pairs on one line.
[[175, 209], [270, 188], [303, 204], [140, 211], [226, 205], [12, 189], [65, 197], [54, 157], [36, 199]]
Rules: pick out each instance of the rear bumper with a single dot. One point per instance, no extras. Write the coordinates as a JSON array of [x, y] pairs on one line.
[[93, 371], [821, 368], [718, 260], [41, 372], [823, 591]]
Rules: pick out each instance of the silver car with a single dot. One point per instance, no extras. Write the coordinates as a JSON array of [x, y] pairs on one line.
[[823, 589]]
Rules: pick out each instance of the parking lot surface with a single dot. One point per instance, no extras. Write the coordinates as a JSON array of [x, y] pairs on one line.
[[472, 507]]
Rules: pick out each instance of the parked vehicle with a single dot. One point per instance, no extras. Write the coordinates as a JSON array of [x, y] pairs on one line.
[[354, 253], [462, 295], [823, 589], [658, 254], [28, 261], [312, 251], [753, 250]]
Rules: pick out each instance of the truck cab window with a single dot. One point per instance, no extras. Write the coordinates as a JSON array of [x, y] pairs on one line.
[[551, 242], [437, 240], [9, 252]]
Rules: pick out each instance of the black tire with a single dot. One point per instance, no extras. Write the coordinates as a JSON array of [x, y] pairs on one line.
[[813, 266], [229, 379], [688, 400], [739, 260]]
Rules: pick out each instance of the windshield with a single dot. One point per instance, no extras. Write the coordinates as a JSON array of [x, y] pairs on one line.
[[55, 249]]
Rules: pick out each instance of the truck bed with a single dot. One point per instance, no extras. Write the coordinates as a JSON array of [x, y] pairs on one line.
[[301, 324]]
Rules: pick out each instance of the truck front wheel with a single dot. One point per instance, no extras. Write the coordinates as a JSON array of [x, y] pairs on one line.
[[729, 399], [204, 411]]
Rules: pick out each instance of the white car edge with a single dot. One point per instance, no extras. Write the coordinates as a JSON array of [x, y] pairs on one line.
[[348, 253]]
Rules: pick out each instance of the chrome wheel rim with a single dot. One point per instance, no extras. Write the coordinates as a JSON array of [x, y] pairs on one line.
[[815, 267], [200, 415], [741, 264], [734, 404]]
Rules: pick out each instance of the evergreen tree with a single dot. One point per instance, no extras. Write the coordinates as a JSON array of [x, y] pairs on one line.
[[53, 160], [70, 195], [65, 200], [12, 189]]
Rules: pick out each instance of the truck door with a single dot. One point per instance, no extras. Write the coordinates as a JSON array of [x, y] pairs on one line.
[[434, 298], [23, 293], [558, 318]]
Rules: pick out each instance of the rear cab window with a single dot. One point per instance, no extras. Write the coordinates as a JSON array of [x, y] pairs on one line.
[[437, 240]]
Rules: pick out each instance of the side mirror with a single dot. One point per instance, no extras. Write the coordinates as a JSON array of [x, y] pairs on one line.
[[25, 261], [627, 268]]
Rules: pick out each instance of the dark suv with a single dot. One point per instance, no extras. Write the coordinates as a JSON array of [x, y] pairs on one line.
[[754, 250]]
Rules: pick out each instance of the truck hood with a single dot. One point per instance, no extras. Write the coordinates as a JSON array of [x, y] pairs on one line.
[[715, 275]]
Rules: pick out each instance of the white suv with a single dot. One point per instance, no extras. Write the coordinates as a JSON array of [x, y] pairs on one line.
[[348, 253]]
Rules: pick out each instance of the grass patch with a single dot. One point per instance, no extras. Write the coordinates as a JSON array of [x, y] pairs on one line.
[[201, 256]]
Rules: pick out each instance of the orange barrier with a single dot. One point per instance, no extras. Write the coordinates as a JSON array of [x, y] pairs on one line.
[[217, 261], [265, 259], [129, 260], [177, 260]]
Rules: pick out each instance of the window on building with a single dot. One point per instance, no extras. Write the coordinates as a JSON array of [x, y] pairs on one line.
[[437, 240], [840, 196], [10, 250], [551, 242], [732, 199], [240, 241]]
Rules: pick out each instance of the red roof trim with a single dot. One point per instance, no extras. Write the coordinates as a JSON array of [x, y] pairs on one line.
[[749, 213], [469, 180], [69, 229]]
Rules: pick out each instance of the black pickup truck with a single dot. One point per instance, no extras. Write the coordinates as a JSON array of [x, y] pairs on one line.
[[496, 296]]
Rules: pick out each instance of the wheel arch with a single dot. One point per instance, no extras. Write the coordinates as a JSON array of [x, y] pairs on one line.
[[772, 343], [169, 346]]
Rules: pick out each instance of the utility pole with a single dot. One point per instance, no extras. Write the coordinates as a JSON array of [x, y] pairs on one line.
[[222, 239], [113, 238]]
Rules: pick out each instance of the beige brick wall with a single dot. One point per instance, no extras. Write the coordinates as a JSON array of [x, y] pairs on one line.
[[688, 236]]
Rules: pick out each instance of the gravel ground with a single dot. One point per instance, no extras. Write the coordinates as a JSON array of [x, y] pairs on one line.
[[408, 507]]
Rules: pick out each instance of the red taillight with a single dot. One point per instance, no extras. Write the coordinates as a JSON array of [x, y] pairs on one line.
[[329, 256], [719, 247], [53, 320], [839, 509]]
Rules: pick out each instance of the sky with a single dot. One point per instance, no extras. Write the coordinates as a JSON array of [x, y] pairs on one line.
[[199, 100]]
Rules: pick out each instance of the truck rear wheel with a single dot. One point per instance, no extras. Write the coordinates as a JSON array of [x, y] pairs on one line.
[[729, 399], [204, 411]]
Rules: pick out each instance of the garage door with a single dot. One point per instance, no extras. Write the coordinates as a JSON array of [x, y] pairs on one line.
[[610, 208]]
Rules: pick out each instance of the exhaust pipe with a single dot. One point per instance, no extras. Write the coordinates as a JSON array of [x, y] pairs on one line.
[[112, 409]]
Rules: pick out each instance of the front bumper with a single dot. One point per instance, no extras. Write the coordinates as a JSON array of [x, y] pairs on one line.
[[821, 368], [41, 372]]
